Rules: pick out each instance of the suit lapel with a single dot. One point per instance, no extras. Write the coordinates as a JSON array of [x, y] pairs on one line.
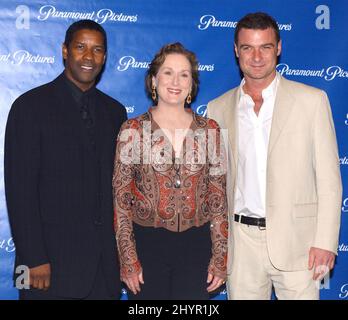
[[231, 115], [71, 110], [282, 107], [102, 123]]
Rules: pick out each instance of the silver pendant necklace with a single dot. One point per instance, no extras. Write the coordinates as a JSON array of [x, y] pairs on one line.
[[177, 179]]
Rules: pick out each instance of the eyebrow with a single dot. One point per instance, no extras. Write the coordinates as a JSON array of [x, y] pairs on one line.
[[100, 46], [83, 42], [262, 45], [180, 71]]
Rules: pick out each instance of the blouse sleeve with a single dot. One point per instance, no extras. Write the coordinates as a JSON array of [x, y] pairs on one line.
[[217, 201], [123, 186]]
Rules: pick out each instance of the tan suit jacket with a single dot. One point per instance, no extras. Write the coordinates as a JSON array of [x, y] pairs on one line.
[[303, 187]]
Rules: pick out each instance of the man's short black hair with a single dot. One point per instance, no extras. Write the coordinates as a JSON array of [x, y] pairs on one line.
[[84, 24], [257, 20]]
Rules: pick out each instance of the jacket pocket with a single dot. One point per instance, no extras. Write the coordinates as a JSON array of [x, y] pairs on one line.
[[304, 210]]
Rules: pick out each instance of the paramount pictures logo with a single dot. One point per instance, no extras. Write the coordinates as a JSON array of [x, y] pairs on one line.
[[329, 74], [23, 56], [101, 16], [344, 291], [7, 245], [343, 161], [129, 62], [202, 110], [209, 20], [343, 247], [345, 205], [130, 109]]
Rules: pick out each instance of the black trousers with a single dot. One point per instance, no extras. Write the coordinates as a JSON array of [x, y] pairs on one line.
[[175, 264], [99, 291]]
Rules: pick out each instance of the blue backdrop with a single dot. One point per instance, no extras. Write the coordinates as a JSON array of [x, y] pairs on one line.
[[315, 46]]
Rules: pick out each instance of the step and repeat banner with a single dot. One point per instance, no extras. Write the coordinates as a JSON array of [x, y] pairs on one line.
[[315, 48]]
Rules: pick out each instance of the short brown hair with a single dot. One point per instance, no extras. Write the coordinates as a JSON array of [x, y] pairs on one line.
[[257, 20], [159, 59]]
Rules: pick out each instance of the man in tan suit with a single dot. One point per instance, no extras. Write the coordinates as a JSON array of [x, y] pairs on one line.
[[284, 179]]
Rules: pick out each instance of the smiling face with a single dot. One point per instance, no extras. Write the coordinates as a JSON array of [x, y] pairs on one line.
[[84, 58], [173, 80], [258, 51]]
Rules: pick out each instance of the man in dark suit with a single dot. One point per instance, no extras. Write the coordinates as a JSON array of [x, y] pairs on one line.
[[59, 152]]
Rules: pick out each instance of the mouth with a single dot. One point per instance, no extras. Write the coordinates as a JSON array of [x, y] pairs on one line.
[[174, 91], [87, 68]]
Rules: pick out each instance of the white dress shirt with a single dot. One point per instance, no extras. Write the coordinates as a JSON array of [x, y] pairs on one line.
[[253, 139]]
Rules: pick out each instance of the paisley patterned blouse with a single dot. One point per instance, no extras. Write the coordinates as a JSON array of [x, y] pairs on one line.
[[154, 189]]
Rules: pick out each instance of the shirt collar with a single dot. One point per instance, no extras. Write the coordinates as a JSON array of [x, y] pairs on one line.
[[78, 95], [267, 92]]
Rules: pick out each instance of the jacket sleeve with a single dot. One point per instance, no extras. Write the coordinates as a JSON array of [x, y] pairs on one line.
[[328, 179], [123, 191], [217, 201], [22, 178]]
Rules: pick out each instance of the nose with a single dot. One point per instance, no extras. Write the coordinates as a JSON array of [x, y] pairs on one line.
[[88, 54], [257, 55], [175, 79]]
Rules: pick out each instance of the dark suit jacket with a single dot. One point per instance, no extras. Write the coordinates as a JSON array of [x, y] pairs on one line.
[[58, 190]]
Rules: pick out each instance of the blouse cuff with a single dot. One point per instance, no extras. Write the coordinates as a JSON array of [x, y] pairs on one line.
[[130, 269], [220, 272]]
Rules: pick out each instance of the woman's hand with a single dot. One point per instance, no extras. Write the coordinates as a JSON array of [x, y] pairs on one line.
[[133, 282], [215, 282]]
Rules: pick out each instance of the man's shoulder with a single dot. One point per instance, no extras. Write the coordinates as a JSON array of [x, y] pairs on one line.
[[298, 88], [219, 106], [110, 101], [35, 97], [37, 91], [225, 97]]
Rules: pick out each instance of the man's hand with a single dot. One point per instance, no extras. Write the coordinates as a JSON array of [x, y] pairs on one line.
[[322, 261], [40, 276], [215, 282]]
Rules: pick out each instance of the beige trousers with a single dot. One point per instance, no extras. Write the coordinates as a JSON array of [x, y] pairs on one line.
[[253, 274]]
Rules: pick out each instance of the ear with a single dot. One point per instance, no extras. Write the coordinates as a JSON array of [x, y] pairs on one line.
[[64, 51], [236, 50], [279, 48]]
